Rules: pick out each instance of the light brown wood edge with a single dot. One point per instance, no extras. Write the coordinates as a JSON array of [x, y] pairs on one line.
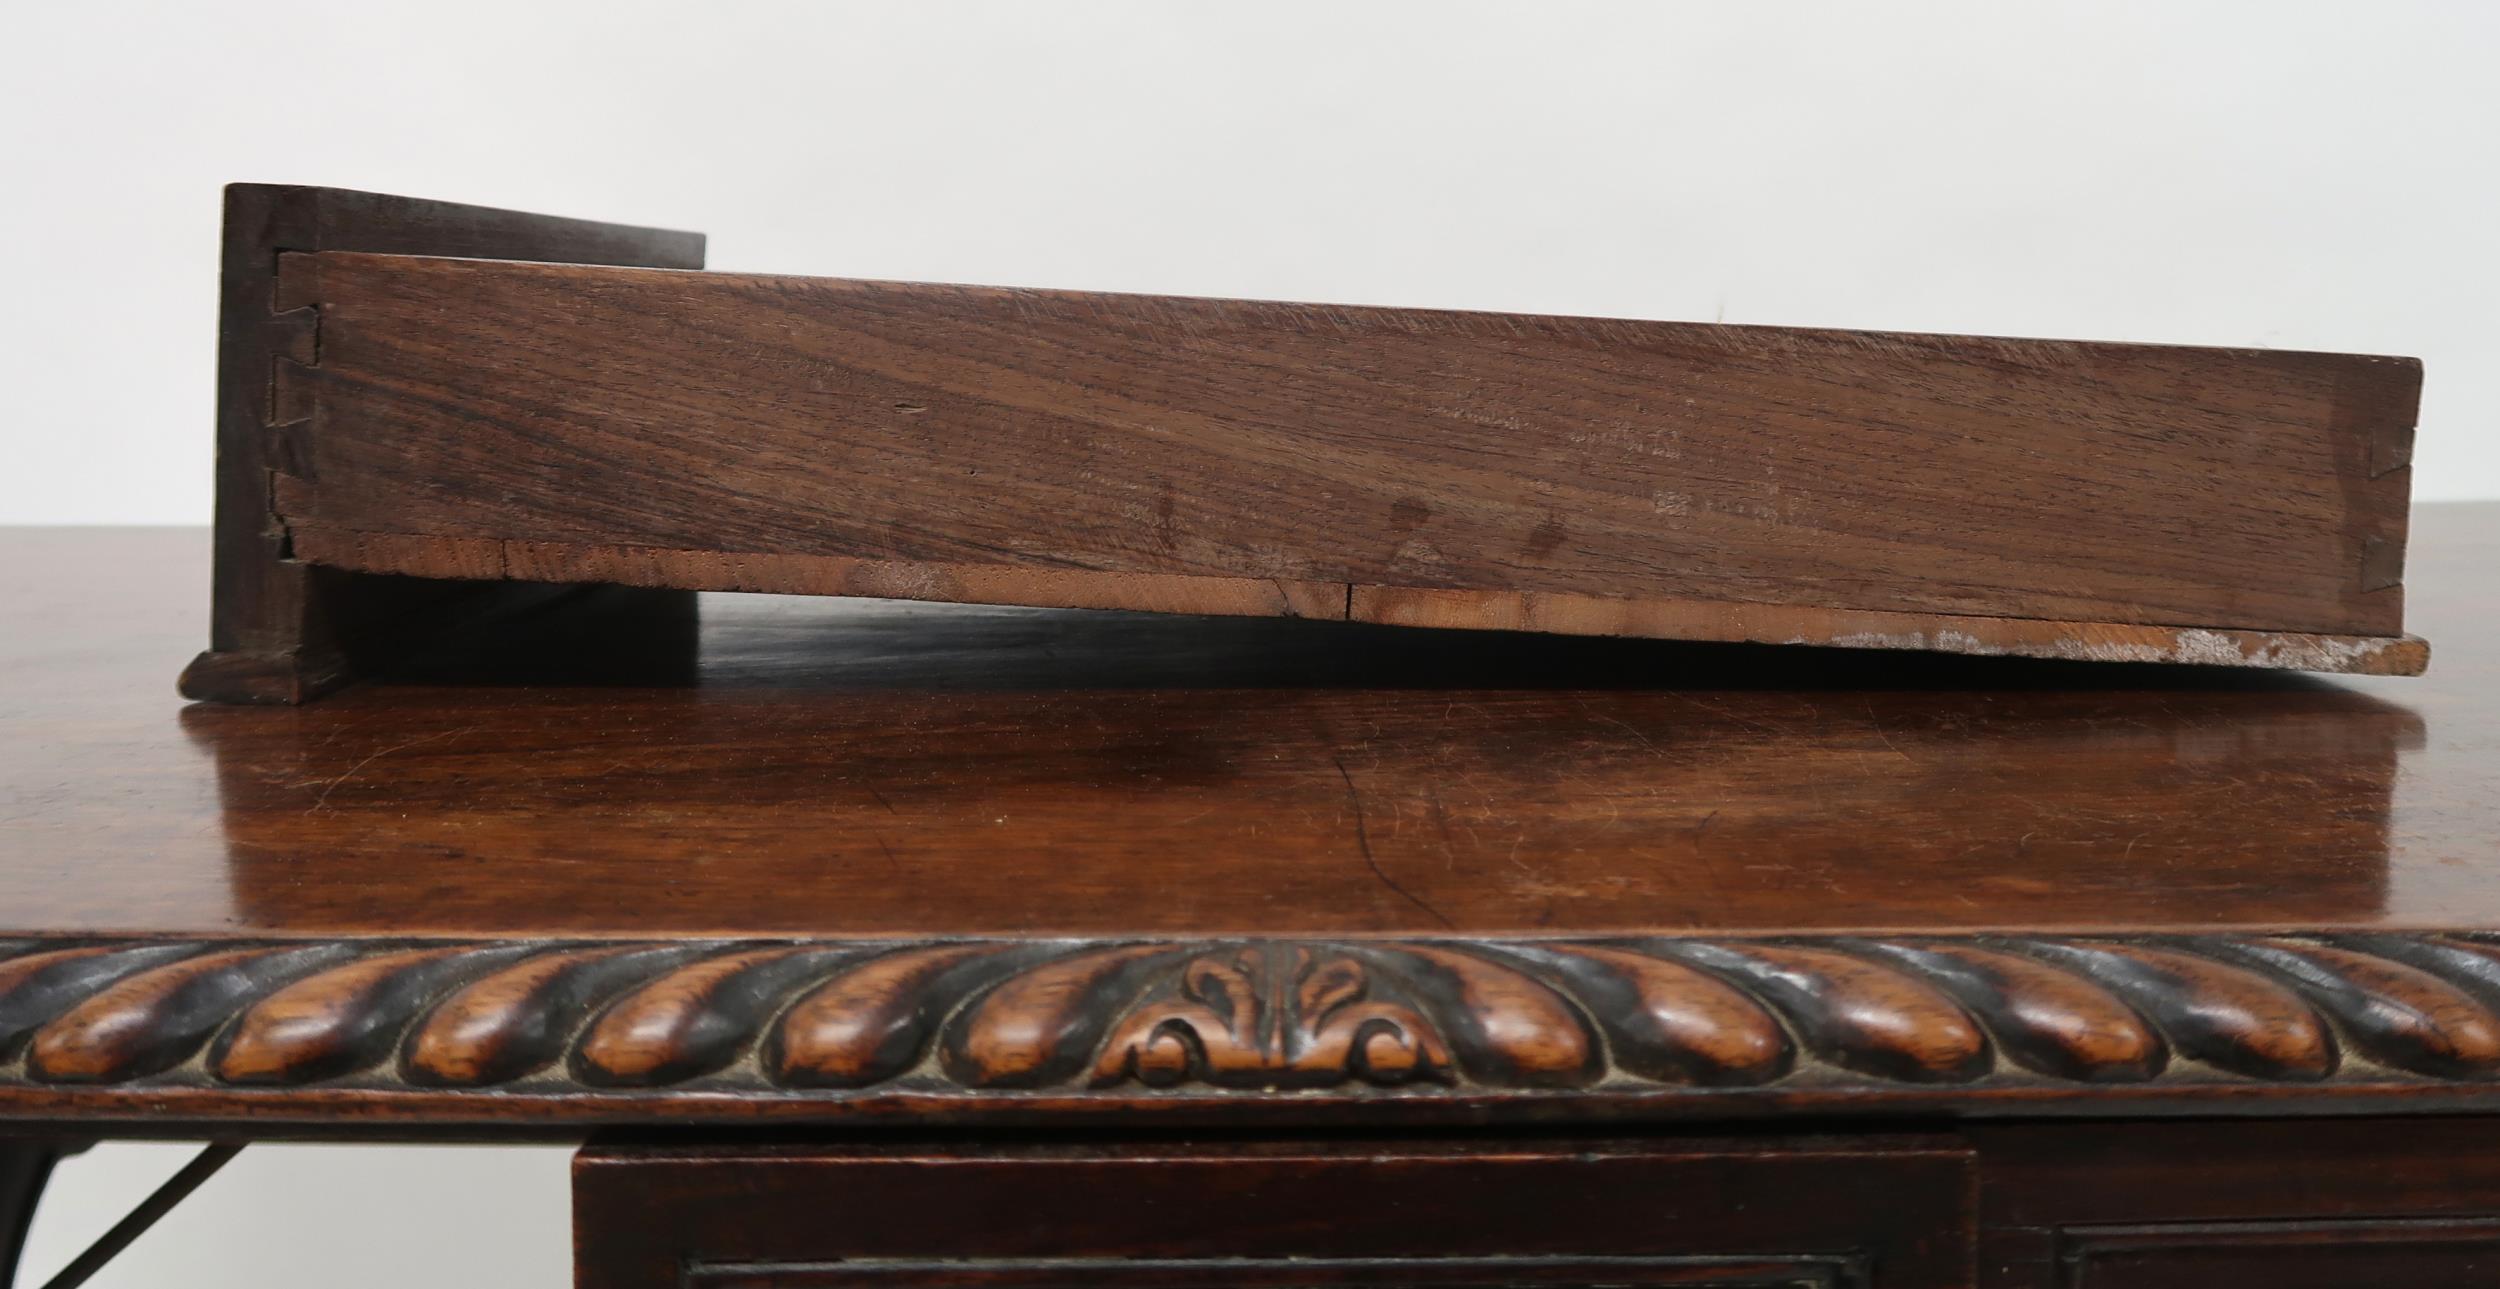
[[1567, 614]]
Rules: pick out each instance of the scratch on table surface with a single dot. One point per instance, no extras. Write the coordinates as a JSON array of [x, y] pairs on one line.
[[1621, 724], [1363, 839], [358, 768], [1727, 714], [1441, 821], [1876, 724]]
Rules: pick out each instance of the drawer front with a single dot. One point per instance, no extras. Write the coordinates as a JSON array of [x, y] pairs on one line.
[[2241, 1204], [1837, 1272], [1887, 1213], [2286, 1255]]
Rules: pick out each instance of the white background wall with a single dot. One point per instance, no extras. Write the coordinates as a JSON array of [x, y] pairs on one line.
[[2310, 174]]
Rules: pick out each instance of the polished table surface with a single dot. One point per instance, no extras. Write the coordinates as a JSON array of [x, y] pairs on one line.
[[814, 859], [854, 768]]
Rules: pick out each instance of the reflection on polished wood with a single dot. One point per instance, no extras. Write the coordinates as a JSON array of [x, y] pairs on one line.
[[845, 769], [812, 860]]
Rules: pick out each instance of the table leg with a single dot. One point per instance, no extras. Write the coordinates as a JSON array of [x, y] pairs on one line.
[[25, 1164]]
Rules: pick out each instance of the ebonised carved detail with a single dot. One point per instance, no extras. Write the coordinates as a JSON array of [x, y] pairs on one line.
[[1245, 1019]]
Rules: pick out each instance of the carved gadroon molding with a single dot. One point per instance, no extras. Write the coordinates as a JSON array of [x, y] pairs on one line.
[[1249, 1019]]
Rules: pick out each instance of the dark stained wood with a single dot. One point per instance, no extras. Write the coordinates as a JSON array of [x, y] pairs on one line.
[[2113, 1205], [2221, 1171], [1878, 1211], [713, 431], [2288, 1255], [283, 630], [2325, 1203], [831, 768], [25, 1165], [1826, 1271]]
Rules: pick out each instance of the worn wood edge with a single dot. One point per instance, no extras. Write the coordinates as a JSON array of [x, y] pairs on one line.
[[628, 1029], [1570, 614]]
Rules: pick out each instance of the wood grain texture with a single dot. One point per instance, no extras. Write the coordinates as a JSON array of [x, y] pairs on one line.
[[473, 557], [1433, 468], [1587, 615], [283, 630], [829, 860], [802, 767]]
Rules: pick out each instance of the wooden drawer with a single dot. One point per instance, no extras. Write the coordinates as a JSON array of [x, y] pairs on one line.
[[1882, 1213], [2308, 1204], [2415, 1254]]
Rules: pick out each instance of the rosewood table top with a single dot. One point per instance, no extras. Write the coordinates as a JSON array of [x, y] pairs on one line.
[[813, 860]]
